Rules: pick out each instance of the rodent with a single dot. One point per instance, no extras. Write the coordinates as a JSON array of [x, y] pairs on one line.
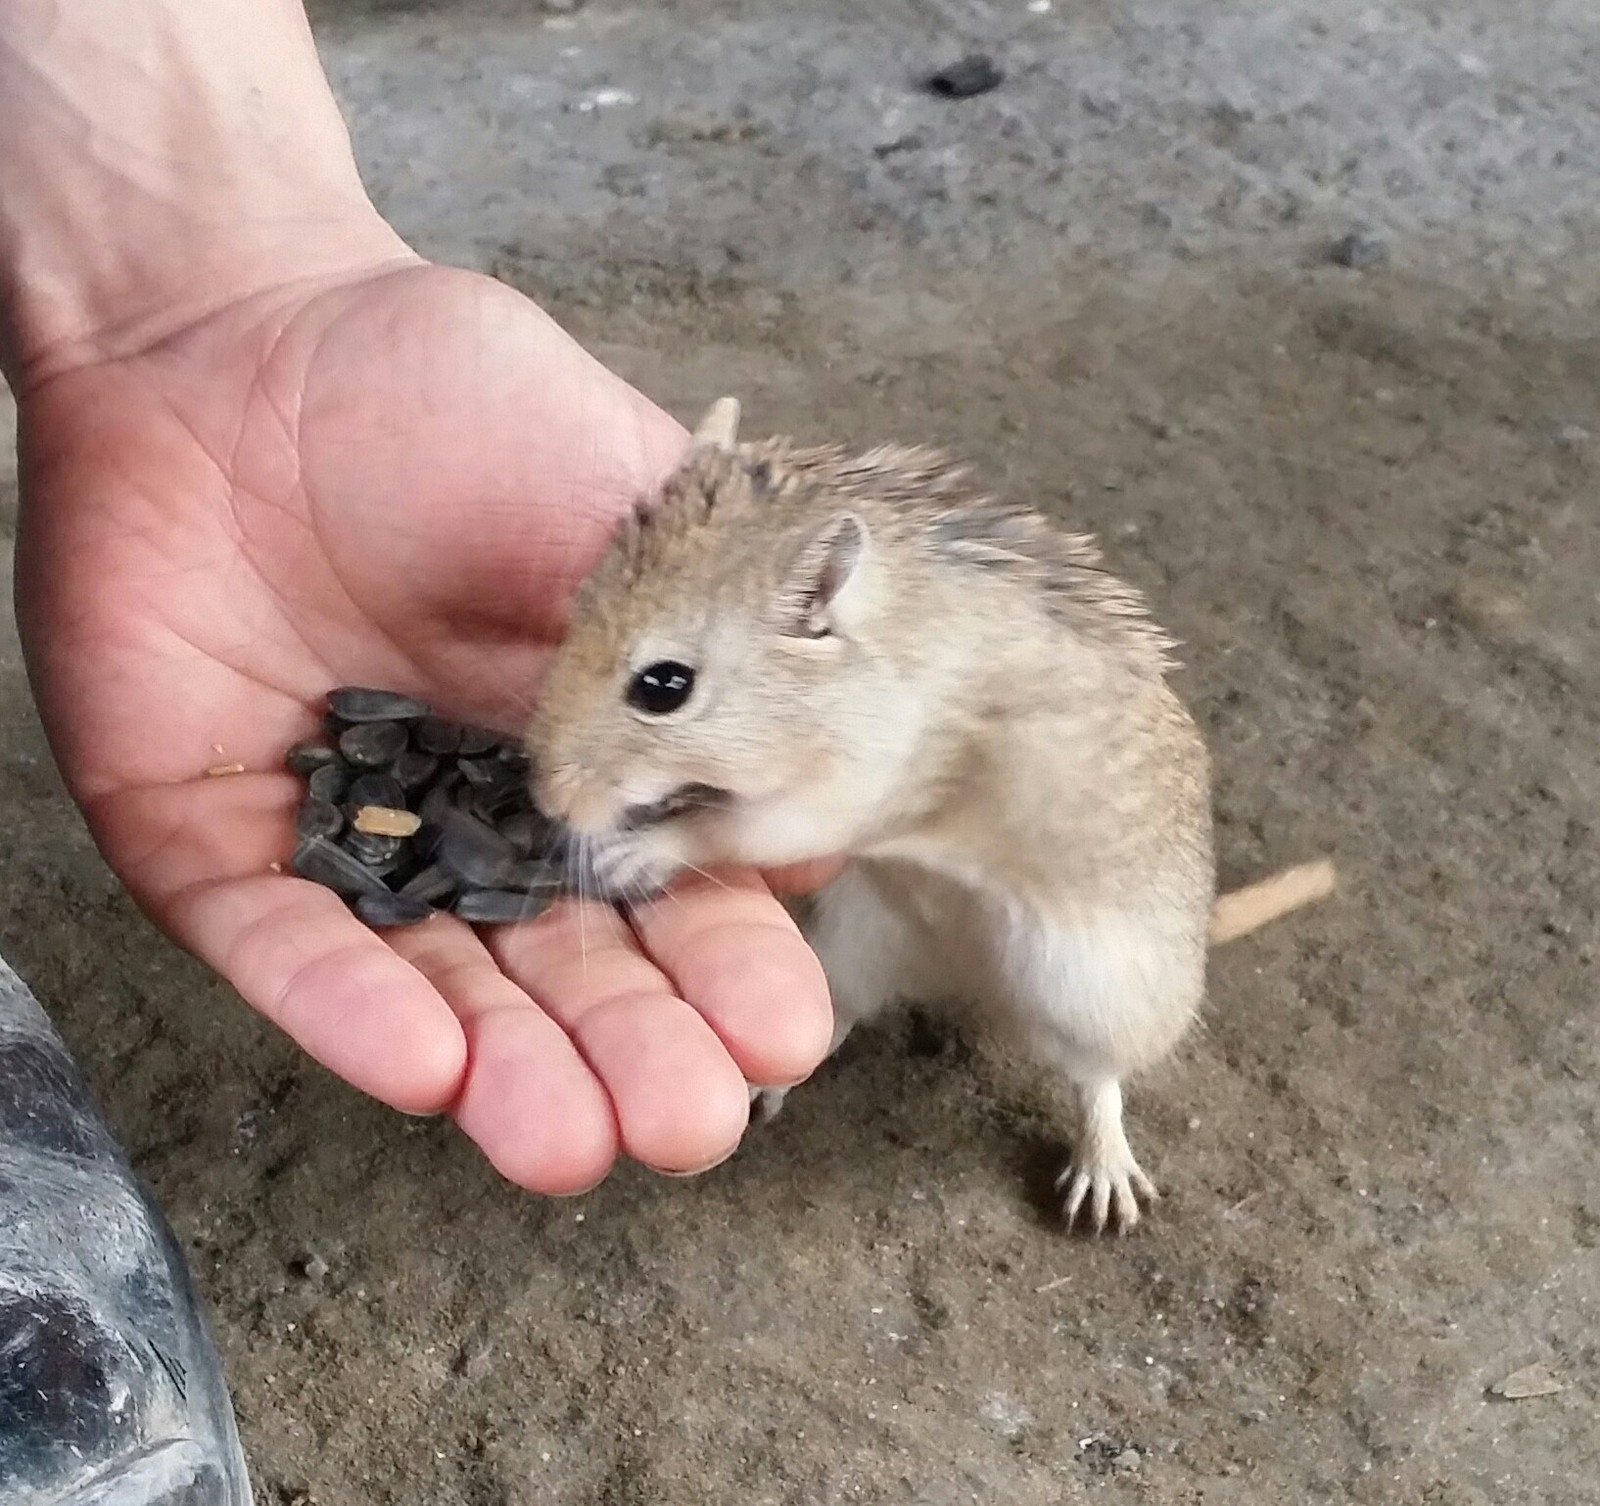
[[793, 652]]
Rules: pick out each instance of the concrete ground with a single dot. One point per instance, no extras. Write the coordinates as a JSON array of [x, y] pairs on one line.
[[1365, 499]]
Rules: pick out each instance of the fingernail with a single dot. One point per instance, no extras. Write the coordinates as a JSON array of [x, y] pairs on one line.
[[700, 1171]]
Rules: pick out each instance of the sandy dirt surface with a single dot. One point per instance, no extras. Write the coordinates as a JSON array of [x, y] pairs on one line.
[[1365, 500]]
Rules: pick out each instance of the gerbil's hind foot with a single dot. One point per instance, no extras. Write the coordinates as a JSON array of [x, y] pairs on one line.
[[1096, 1196], [1102, 1184]]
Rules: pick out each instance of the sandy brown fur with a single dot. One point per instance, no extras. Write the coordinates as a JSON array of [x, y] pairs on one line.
[[913, 496]]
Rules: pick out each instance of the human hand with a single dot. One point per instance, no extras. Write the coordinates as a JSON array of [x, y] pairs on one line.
[[395, 476]]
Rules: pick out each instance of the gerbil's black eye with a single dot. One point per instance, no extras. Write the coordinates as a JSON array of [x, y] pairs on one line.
[[661, 688]]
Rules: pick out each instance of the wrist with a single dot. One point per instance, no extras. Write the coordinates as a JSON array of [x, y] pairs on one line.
[[162, 163]]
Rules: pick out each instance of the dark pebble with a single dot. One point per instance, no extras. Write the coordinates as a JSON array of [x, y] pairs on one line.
[[1359, 251], [474, 851], [377, 853], [388, 909], [324, 863], [477, 740], [433, 885], [974, 74], [306, 758], [356, 703], [501, 906], [329, 782], [371, 745], [318, 818], [431, 735], [375, 789], [414, 769]]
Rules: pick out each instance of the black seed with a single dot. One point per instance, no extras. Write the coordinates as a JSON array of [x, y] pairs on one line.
[[323, 863], [523, 829], [388, 909], [433, 885], [318, 818], [378, 853], [371, 745], [500, 906], [516, 760], [484, 771], [375, 789], [329, 782], [476, 740], [974, 74], [414, 768], [474, 851], [356, 703], [432, 735], [333, 725], [306, 758], [534, 874]]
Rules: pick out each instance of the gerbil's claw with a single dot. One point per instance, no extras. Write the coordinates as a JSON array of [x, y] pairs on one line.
[[719, 429], [1096, 1191], [765, 1103]]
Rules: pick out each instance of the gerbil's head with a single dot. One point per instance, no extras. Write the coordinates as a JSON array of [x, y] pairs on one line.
[[719, 698]]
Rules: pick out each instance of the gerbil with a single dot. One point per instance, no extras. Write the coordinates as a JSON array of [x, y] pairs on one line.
[[798, 653]]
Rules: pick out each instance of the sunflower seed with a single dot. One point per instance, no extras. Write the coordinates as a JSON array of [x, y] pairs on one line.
[[534, 874], [371, 745], [500, 906], [476, 740], [306, 758], [523, 830], [431, 735], [377, 853], [433, 885], [474, 851], [483, 772], [388, 909], [385, 821], [323, 863], [375, 789], [356, 703], [318, 818], [330, 781], [414, 768]]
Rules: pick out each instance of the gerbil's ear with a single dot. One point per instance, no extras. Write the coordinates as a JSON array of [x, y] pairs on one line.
[[719, 429], [823, 588]]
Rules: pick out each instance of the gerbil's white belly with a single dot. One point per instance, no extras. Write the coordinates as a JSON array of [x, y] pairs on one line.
[[1103, 985]]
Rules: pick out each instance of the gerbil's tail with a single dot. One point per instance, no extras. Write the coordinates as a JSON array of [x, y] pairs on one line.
[[1250, 908]]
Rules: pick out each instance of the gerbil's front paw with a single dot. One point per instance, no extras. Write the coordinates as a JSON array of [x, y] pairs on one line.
[[765, 1103], [1094, 1188]]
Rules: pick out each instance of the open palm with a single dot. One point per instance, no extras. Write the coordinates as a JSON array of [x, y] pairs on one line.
[[396, 481]]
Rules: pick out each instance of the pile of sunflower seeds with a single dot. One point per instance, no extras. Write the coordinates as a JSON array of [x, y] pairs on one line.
[[407, 815]]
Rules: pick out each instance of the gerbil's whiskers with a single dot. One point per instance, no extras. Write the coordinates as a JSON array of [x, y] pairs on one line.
[[585, 863], [710, 878]]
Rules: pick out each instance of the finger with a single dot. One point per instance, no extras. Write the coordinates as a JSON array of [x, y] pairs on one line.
[[530, 1101], [198, 857], [299, 957], [735, 953], [803, 878], [680, 1101]]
